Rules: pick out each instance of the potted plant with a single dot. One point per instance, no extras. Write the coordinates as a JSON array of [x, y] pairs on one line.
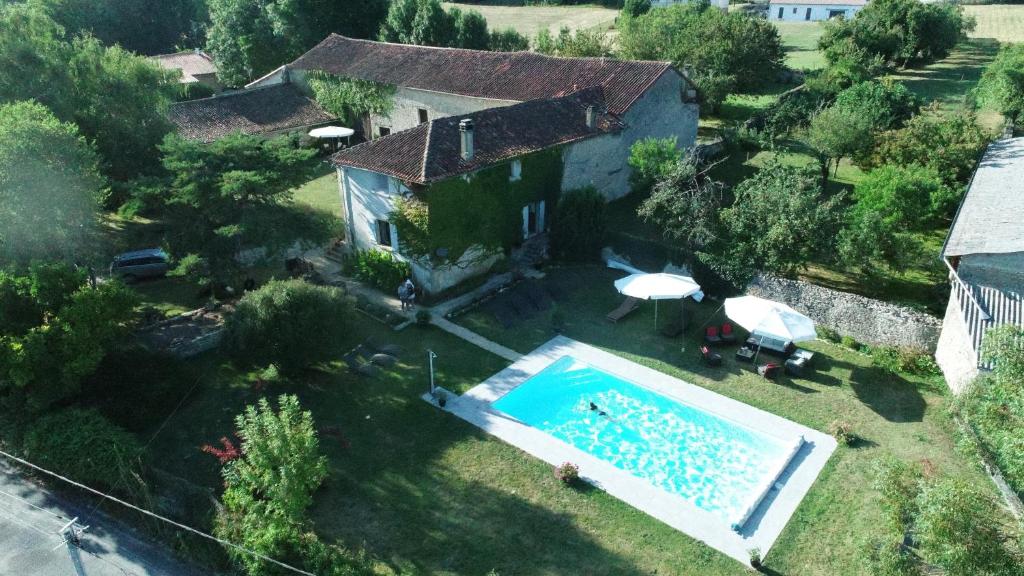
[[441, 397], [568, 473], [755, 558]]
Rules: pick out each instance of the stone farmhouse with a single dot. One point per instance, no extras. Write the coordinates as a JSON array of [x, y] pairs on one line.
[[985, 255], [479, 145], [813, 10]]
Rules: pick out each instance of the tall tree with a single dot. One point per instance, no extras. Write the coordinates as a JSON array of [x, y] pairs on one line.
[[428, 23], [141, 26], [49, 185], [780, 220], [231, 194], [249, 38], [730, 49], [119, 100], [1001, 87], [685, 204], [580, 44]]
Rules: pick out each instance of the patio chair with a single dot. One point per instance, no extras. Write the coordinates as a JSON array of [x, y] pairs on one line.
[[728, 335], [769, 370], [628, 305], [711, 358], [711, 335]]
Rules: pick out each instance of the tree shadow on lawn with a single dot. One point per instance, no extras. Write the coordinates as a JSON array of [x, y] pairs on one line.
[[949, 81]]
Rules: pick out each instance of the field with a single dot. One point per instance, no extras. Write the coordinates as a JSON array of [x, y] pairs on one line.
[[528, 20], [1002, 22], [801, 42]]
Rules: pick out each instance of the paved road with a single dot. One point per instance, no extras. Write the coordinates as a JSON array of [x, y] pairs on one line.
[[30, 518]]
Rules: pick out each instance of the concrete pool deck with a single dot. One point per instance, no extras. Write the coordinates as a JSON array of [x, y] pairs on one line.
[[764, 525]]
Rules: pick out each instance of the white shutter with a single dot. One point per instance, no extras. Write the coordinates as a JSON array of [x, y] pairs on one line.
[[540, 216], [526, 222]]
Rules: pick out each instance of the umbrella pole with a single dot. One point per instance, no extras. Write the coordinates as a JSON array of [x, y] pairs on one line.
[[655, 314], [758, 351]]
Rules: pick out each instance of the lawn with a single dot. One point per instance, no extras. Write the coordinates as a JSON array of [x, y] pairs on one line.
[[1002, 22], [321, 193], [528, 20], [426, 493], [800, 40]]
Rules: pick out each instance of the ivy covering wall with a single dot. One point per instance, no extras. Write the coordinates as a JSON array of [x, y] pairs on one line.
[[486, 209], [350, 98]]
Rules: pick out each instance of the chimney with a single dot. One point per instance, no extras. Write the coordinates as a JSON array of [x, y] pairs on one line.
[[591, 117], [466, 138]]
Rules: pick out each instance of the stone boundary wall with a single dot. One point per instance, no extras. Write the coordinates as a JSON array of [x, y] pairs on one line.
[[867, 320]]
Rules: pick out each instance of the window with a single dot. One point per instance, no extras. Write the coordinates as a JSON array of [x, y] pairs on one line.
[[423, 115], [384, 233], [517, 171], [794, 9], [780, 12], [383, 131], [807, 15]]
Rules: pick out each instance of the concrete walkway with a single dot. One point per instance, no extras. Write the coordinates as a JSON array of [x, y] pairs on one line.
[[331, 272], [475, 339]]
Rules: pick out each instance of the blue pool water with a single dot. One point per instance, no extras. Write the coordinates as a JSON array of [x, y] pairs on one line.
[[717, 465]]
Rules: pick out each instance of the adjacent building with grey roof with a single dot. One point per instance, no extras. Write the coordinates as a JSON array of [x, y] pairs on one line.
[[984, 252], [196, 67]]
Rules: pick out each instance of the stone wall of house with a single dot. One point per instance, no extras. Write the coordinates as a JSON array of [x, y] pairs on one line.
[[409, 101], [867, 320], [438, 278], [602, 161], [954, 353]]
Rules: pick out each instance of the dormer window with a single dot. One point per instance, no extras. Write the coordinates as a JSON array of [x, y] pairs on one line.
[[517, 171]]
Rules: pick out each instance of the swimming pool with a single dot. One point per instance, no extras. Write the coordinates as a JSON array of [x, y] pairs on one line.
[[717, 464]]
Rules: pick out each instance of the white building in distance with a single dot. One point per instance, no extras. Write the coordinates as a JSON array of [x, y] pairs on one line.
[[813, 10]]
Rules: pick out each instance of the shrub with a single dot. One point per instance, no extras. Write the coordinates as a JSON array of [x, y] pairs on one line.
[[850, 342], [291, 324], [1001, 87], [579, 226], [84, 446], [423, 317], [842, 432], [568, 473], [135, 387], [826, 333], [557, 319], [651, 159], [379, 268], [904, 360]]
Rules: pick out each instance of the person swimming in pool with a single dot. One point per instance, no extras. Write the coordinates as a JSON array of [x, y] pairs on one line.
[[593, 408]]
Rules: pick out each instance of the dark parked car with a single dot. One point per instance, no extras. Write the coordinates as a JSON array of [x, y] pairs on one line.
[[131, 266]]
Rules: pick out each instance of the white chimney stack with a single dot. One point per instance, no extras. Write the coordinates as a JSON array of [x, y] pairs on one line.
[[591, 116], [466, 138]]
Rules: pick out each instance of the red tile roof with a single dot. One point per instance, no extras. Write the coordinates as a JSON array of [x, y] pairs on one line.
[[515, 76], [432, 151], [257, 111]]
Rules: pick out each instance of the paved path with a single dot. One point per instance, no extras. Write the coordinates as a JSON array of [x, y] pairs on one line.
[[30, 518], [476, 339]]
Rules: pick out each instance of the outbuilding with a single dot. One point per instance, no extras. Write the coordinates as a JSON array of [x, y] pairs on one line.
[[813, 10]]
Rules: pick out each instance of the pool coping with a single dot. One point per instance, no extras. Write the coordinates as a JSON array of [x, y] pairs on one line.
[[764, 525]]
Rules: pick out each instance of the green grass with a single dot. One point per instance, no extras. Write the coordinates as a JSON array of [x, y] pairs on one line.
[[949, 81], [427, 493], [1002, 22], [321, 193], [800, 40]]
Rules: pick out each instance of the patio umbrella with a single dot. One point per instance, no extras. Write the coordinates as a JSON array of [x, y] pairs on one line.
[[336, 132], [658, 286], [769, 318]]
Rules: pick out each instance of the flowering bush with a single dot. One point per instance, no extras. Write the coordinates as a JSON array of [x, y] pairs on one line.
[[842, 432], [568, 473], [226, 453]]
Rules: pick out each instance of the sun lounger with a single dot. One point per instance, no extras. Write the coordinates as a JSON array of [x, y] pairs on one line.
[[360, 366], [628, 305]]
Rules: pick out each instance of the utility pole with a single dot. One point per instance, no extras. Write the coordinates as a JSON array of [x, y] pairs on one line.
[[71, 533]]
